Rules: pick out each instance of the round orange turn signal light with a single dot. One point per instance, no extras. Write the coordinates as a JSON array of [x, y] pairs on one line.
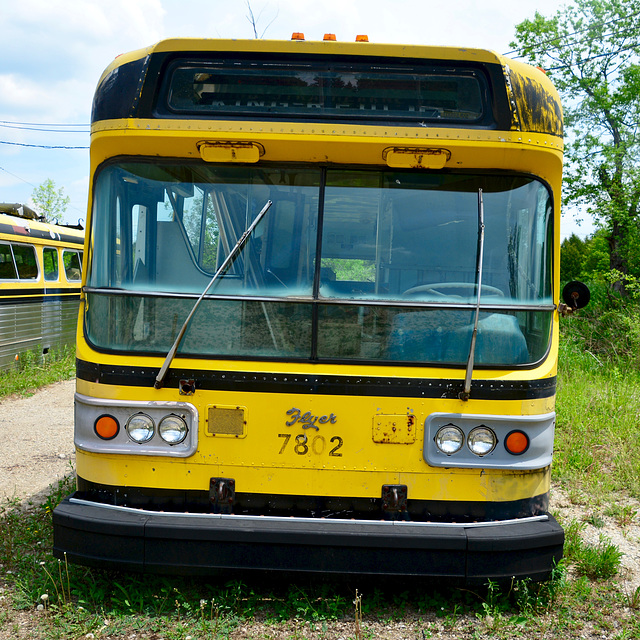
[[516, 442], [106, 427]]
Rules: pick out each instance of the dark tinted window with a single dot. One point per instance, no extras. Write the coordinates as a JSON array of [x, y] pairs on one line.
[[340, 92], [7, 267], [50, 260], [26, 261], [72, 265]]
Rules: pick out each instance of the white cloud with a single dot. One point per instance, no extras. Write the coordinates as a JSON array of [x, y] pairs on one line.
[[18, 92]]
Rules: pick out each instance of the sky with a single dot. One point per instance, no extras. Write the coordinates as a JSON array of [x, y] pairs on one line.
[[54, 51]]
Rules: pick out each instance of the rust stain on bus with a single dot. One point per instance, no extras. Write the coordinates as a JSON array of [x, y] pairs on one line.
[[394, 429]]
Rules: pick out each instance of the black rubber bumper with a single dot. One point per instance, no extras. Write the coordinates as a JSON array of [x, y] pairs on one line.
[[110, 537]]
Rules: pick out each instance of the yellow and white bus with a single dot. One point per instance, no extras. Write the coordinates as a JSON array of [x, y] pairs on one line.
[[319, 324], [40, 279]]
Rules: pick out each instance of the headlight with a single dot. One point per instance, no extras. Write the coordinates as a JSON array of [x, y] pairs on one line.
[[173, 429], [140, 428], [481, 441], [449, 439]]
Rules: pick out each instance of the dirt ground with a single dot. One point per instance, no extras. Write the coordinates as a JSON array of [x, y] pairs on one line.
[[36, 443]]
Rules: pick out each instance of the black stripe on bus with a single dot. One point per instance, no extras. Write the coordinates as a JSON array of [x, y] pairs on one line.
[[21, 234], [39, 291], [259, 382]]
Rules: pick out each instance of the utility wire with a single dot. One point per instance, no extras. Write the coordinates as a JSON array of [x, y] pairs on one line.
[[590, 58], [42, 128], [44, 124], [40, 146], [555, 41], [34, 186], [18, 177], [37, 128]]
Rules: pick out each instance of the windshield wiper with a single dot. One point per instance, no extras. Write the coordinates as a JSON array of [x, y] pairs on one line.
[[466, 391], [228, 260]]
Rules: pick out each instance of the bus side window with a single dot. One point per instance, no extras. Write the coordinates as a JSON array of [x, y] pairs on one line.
[[25, 257], [72, 268], [7, 267], [50, 263]]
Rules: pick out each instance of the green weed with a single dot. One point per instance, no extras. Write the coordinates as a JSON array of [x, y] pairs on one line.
[[623, 514], [35, 371], [599, 562]]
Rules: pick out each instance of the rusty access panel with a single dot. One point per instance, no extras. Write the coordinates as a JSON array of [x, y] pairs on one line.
[[394, 429]]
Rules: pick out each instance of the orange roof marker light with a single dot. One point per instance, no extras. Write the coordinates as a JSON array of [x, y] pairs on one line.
[[297, 35], [362, 38], [330, 36]]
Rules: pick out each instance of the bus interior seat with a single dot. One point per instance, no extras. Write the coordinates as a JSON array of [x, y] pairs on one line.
[[327, 274], [440, 336]]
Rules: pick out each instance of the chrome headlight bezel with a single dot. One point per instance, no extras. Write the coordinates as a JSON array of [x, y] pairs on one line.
[[140, 428], [173, 429], [449, 439], [481, 441]]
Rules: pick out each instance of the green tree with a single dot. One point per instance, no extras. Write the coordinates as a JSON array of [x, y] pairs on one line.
[[572, 254], [595, 260], [49, 201], [590, 49]]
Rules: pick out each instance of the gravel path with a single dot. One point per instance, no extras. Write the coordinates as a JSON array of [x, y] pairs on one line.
[[36, 440]]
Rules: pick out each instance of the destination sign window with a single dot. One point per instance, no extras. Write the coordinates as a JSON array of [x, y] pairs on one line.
[[344, 92]]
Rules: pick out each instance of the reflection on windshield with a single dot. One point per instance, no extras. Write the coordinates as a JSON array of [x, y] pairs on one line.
[[387, 238]]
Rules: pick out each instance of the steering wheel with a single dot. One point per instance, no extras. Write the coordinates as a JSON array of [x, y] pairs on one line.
[[452, 288]]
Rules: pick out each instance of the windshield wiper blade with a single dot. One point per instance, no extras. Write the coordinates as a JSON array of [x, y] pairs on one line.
[[228, 260], [465, 394]]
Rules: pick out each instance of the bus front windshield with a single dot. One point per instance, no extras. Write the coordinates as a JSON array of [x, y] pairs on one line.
[[347, 265]]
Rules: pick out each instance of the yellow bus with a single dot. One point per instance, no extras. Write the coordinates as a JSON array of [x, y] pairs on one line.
[[319, 323], [40, 279]]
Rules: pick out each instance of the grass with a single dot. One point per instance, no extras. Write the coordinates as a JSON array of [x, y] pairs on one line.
[[597, 463], [34, 371], [597, 452]]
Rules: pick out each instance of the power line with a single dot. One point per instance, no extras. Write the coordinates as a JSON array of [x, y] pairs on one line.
[[43, 124], [590, 58], [40, 146], [37, 128], [554, 41], [34, 186], [18, 177]]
